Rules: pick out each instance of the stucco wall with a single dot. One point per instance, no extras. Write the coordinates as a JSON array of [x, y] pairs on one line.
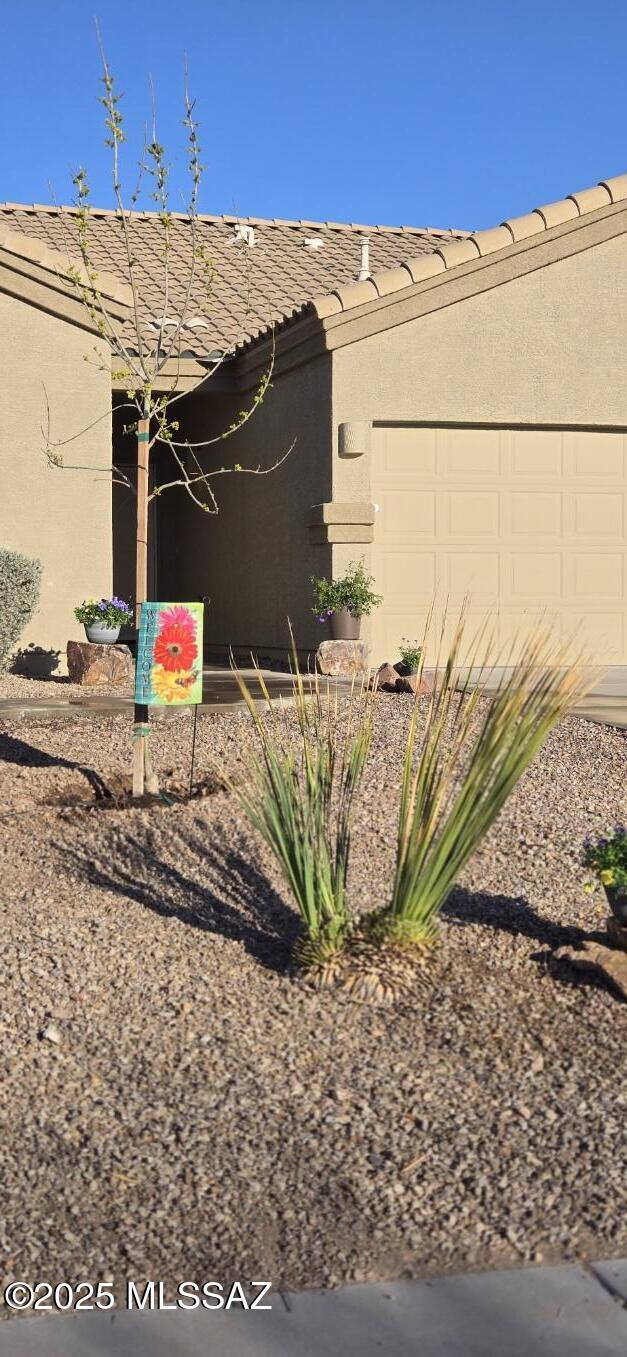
[[61, 517], [547, 348], [254, 558]]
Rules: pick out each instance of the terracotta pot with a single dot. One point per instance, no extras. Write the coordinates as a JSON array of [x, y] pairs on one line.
[[344, 626], [617, 901]]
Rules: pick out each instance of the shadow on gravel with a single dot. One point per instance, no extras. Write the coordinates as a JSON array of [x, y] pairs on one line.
[[14, 750], [510, 915], [517, 916], [220, 891]]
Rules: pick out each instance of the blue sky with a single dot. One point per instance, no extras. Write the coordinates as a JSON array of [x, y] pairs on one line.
[[446, 113]]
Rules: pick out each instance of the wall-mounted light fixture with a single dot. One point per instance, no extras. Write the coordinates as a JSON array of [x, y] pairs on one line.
[[355, 438]]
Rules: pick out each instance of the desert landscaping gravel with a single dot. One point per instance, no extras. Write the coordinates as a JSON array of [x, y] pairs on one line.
[[176, 1106]]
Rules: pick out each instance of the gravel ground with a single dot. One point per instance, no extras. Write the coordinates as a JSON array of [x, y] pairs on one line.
[[198, 1114]]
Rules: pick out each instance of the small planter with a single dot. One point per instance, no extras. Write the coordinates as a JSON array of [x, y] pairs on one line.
[[344, 626], [617, 901], [100, 635]]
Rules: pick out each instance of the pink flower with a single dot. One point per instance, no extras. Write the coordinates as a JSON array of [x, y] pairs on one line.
[[177, 617]]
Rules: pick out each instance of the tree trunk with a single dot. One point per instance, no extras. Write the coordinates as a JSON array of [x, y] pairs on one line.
[[140, 728]]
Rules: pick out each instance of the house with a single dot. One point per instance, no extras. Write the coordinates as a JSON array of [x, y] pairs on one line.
[[457, 404]]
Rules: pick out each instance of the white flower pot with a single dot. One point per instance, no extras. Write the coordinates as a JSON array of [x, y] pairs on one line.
[[101, 635]]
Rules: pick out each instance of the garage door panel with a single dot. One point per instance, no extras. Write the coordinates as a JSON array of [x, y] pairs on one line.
[[409, 452], [599, 575], [476, 452], [407, 513], [529, 522], [533, 513], [531, 575], [537, 452], [515, 625], [601, 633], [477, 571], [407, 574], [598, 515], [470, 513], [604, 460], [401, 625]]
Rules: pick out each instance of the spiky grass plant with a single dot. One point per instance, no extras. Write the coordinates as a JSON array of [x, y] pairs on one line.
[[468, 763], [299, 793]]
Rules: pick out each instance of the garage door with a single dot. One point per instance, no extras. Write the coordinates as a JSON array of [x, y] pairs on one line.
[[522, 520]]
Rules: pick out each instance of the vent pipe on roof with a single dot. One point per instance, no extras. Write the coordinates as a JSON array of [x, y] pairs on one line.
[[364, 268], [244, 233]]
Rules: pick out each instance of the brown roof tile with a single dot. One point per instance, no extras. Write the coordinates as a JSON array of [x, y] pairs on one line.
[[253, 286]]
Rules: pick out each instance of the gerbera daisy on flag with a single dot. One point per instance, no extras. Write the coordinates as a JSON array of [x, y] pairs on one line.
[[175, 647], [177, 614], [169, 686]]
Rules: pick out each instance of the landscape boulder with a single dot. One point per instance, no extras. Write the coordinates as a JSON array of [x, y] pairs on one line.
[[386, 678], [94, 665], [342, 659], [593, 956], [391, 679]]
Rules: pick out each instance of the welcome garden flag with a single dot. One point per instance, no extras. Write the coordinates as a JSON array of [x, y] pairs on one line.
[[169, 654]]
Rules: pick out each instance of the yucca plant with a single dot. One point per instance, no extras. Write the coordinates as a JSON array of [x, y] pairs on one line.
[[299, 793], [468, 763]]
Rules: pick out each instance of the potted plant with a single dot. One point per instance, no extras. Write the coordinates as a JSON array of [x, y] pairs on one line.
[[410, 653], [342, 603], [102, 618], [608, 859]]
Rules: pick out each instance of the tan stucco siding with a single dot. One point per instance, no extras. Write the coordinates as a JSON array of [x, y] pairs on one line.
[[255, 557], [62, 517], [545, 348]]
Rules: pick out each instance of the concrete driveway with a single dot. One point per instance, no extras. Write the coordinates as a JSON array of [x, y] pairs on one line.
[[567, 1311]]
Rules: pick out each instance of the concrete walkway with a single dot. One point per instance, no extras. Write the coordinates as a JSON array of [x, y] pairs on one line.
[[607, 703], [566, 1311], [220, 692]]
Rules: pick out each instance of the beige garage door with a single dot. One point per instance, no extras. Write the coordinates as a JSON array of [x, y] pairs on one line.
[[522, 520]]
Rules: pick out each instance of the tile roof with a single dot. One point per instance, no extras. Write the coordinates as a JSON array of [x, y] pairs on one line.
[[253, 287], [469, 247]]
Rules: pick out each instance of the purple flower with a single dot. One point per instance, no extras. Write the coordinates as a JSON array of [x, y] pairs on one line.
[[102, 606], [322, 618], [330, 612]]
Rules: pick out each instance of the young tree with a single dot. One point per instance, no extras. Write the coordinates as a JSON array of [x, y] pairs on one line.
[[146, 353]]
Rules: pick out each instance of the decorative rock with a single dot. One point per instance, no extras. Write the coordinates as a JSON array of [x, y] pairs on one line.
[[390, 680], [386, 678], [342, 658], [90, 664], [408, 683], [593, 956]]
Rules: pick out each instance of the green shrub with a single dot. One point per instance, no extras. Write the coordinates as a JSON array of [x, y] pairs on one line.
[[19, 595], [353, 591], [299, 794], [462, 767], [410, 652]]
